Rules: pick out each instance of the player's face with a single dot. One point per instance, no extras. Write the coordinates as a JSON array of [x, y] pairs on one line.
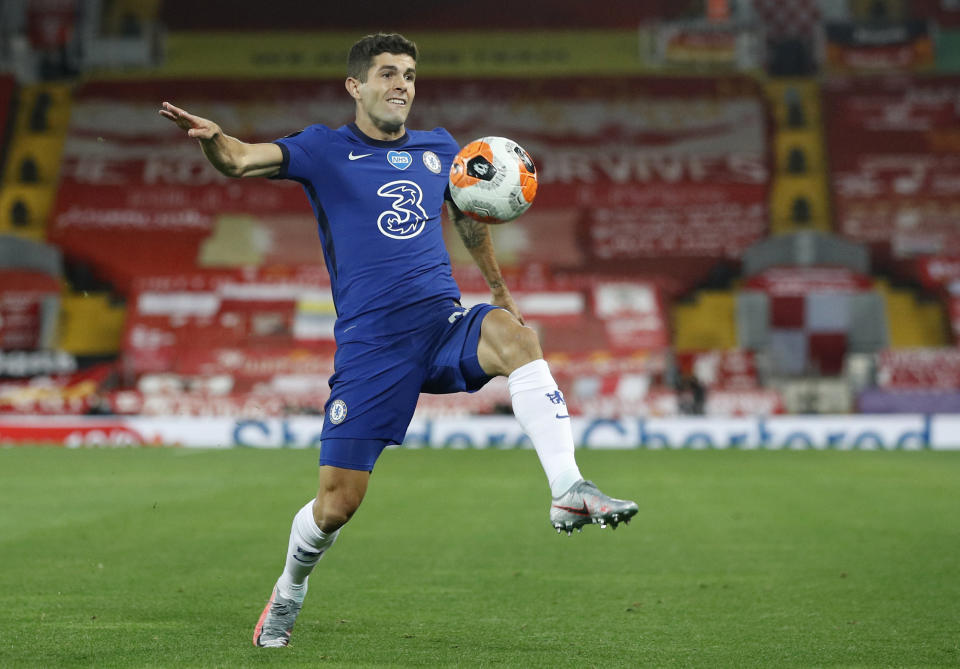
[[384, 99]]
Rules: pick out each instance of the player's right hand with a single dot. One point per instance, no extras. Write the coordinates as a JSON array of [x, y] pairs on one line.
[[196, 126]]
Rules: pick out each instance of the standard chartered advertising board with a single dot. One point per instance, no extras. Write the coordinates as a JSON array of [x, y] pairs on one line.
[[866, 432]]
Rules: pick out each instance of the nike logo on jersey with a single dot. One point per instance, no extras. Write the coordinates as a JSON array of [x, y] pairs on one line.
[[359, 156]]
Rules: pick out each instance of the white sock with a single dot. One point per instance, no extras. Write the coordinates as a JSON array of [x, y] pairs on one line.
[[542, 412], [307, 545]]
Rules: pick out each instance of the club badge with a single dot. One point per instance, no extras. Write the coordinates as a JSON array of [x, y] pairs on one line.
[[337, 411], [431, 161]]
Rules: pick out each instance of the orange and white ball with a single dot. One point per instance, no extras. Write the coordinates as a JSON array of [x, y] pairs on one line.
[[493, 179]]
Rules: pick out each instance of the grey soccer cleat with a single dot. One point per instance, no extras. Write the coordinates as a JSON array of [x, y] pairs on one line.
[[276, 622], [583, 504]]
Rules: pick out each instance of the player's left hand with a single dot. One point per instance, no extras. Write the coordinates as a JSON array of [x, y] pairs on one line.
[[505, 300]]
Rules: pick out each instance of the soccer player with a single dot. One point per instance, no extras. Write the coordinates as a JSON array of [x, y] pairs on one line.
[[377, 190]]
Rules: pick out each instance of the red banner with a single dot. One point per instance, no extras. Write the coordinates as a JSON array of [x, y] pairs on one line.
[[257, 363], [938, 272], [639, 168], [180, 322], [83, 432], [879, 48], [895, 161], [801, 281], [721, 369], [633, 315], [21, 308], [50, 23], [687, 221], [73, 393], [931, 368]]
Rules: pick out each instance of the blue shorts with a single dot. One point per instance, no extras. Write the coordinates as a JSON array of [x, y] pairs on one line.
[[376, 384]]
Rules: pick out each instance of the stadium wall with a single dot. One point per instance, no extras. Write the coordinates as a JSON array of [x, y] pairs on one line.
[[889, 432]]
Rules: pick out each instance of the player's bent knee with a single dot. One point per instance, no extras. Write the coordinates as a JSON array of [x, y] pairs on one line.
[[335, 511], [505, 344], [339, 496], [526, 347]]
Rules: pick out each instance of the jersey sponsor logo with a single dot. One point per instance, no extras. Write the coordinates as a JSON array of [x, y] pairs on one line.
[[406, 217], [399, 159], [431, 161], [358, 156], [337, 411]]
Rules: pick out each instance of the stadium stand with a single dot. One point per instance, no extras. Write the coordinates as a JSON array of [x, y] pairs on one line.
[[775, 235], [143, 209]]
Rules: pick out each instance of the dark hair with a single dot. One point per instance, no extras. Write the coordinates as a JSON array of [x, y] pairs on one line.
[[363, 52]]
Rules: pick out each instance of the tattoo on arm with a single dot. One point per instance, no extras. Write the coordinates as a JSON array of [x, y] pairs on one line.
[[476, 238], [473, 233]]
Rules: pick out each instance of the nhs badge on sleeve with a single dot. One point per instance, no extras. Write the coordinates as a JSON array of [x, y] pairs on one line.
[[399, 159]]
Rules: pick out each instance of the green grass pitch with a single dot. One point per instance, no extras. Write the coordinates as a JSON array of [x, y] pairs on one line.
[[165, 557]]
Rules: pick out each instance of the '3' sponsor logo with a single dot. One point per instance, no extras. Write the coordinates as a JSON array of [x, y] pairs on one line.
[[406, 216]]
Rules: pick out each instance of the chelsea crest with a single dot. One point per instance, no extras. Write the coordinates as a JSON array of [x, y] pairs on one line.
[[337, 411]]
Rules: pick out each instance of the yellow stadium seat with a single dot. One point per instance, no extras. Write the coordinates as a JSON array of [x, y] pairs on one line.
[[118, 15], [25, 206], [799, 202], [90, 325], [707, 324], [45, 151], [805, 91], [913, 323], [810, 142], [58, 110]]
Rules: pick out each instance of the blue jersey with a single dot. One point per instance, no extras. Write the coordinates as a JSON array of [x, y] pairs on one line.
[[378, 206]]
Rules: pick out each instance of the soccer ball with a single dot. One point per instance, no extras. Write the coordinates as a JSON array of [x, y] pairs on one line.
[[493, 180]]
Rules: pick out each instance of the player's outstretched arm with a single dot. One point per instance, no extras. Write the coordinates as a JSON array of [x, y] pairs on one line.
[[476, 237], [229, 155]]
